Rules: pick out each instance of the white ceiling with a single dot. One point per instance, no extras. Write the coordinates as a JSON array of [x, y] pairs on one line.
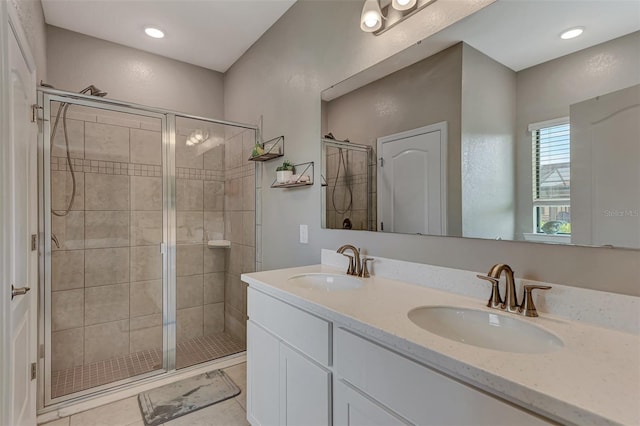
[[517, 33], [209, 33]]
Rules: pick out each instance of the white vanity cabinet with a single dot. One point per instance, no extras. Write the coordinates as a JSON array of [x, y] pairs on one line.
[[295, 356], [387, 385], [289, 382]]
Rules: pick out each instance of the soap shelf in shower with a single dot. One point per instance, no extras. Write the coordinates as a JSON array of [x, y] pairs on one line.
[[302, 169], [273, 148], [219, 244]]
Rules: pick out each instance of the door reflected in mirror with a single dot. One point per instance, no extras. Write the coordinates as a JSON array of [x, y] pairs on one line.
[[543, 147]]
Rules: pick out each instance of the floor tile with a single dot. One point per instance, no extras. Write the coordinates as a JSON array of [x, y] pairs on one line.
[[119, 413], [238, 373], [60, 422]]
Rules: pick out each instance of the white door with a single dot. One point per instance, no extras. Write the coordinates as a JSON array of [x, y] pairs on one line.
[[19, 222], [412, 181], [605, 169]]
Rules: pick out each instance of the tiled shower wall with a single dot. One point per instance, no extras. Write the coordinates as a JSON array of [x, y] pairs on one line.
[[106, 276], [356, 180], [239, 227]]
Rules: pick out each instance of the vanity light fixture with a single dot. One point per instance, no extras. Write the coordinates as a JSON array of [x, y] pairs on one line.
[[572, 33], [197, 137], [371, 18], [380, 15], [154, 32], [403, 4]]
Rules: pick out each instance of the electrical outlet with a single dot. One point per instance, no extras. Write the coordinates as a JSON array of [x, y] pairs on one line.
[[304, 234]]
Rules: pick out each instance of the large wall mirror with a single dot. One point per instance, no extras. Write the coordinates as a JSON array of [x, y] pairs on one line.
[[495, 127]]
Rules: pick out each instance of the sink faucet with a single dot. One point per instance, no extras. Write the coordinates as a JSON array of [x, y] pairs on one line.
[[510, 302], [355, 267]]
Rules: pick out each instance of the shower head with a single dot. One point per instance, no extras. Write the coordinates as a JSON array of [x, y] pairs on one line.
[[93, 91]]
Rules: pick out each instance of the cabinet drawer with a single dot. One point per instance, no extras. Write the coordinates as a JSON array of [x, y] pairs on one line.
[[305, 332], [417, 393]]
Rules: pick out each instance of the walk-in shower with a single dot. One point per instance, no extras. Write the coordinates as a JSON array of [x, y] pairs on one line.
[[131, 287], [347, 171]]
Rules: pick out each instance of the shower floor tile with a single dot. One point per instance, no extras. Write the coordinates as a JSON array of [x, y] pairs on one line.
[[191, 352]]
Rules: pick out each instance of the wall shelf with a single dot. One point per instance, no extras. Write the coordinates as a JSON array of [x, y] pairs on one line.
[[273, 148], [302, 169]]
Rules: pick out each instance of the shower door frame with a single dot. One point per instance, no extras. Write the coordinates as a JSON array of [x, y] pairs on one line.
[[167, 247]]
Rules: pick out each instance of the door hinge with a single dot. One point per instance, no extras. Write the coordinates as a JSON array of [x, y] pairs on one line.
[[34, 370], [34, 242], [381, 161], [34, 113], [382, 226], [41, 351]]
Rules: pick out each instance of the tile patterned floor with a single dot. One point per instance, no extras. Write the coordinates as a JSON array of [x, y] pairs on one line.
[[126, 412], [191, 352]]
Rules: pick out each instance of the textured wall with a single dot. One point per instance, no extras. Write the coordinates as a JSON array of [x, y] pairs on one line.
[[488, 147], [545, 92], [75, 61], [32, 20], [317, 44]]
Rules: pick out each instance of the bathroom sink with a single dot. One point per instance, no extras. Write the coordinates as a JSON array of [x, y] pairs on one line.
[[485, 329], [326, 282]]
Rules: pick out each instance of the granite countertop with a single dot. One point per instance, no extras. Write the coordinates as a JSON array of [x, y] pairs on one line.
[[593, 379]]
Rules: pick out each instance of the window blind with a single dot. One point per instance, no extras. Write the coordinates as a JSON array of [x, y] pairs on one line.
[[551, 162]]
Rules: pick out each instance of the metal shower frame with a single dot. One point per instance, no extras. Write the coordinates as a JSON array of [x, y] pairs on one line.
[[167, 247]]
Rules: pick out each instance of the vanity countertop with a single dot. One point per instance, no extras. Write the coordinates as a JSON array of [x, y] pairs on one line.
[[594, 379]]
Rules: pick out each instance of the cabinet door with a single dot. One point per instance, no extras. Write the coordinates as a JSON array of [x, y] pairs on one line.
[[351, 408], [263, 361], [305, 390]]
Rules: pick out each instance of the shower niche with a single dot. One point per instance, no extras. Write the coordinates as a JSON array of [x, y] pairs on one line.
[[131, 196]]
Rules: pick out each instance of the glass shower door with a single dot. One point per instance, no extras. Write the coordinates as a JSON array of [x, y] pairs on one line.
[[213, 243], [103, 210]]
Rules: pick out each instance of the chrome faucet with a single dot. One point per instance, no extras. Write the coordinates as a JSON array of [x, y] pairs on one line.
[[510, 302]]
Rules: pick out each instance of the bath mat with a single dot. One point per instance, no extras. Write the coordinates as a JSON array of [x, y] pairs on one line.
[[177, 399]]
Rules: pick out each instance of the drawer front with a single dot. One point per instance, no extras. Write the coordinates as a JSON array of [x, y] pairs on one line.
[[305, 332], [417, 393]]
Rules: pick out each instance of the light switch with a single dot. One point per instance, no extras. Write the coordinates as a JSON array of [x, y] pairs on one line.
[[304, 234]]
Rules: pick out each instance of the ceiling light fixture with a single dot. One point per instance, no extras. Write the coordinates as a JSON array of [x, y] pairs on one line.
[[376, 19], [572, 33], [403, 4], [371, 18], [197, 137], [154, 32]]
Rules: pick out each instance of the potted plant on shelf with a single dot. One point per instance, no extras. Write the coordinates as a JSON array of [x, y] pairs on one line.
[[284, 172]]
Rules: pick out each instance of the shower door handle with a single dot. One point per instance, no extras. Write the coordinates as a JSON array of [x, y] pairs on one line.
[[18, 291]]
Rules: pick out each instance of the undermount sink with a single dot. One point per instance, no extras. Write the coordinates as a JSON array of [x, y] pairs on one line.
[[326, 282], [485, 329]]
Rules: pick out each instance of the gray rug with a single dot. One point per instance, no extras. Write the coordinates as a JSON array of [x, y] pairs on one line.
[[177, 399]]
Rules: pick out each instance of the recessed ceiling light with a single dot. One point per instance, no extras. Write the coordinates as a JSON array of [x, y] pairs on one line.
[[571, 33], [154, 32]]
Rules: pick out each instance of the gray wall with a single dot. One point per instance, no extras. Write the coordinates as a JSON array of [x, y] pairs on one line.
[[488, 146], [317, 44], [76, 60], [545, 92], [424, 93], [32, 20]]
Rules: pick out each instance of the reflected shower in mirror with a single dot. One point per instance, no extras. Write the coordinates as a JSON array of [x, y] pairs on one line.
[[510, 133]]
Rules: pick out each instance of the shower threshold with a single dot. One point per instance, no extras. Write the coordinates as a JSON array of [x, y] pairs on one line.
[[188, 353]]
